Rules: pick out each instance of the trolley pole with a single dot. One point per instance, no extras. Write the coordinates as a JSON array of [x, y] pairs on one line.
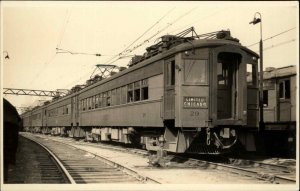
[[261, 72]]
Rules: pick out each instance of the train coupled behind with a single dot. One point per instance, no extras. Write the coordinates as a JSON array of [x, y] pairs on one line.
[[202, 97]]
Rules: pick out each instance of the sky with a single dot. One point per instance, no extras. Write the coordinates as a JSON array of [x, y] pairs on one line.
[[31, 32]]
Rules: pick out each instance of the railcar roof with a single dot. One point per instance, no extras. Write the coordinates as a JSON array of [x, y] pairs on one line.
[[191, 44], [280, 72]]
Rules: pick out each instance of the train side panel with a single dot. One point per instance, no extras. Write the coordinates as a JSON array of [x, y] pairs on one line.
[[145, 113], [280, 95], [59, 113], [192, 89], [36, 120], [26, 120], [293, 97]]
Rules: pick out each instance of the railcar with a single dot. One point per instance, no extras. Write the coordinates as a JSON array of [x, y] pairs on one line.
[[11, 127], [279, 99], [26, 120], [185, 94]]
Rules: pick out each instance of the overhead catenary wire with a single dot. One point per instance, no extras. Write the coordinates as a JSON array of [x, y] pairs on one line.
[[272, 36], [158, 32], [117, 57], [59, 50], [151, 27], [198, 20], [42, 68], [67, 18], [279, 44]]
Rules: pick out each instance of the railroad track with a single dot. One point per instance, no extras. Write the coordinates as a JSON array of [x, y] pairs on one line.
[[83, 167], [272, 173], [268, 173], [35, 165], [275, 173]]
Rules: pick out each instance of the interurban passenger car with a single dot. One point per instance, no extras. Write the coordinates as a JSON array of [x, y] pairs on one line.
[[185, 94], [279, 99]]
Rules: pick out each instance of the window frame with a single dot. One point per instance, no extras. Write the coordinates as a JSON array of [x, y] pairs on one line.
[[284, 90], [206, 72], [254, 78], [130, 93], [265, 98]]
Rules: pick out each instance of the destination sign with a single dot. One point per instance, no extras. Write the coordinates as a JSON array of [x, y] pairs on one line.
[[194, 102]]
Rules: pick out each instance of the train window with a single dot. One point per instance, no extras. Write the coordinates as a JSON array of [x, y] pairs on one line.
[[251, 74], [137, 85], [137, 91], [101, 103], [96, 101], [144, 90], [195, 71], [92, 102], [113, 97], [83, 105], [265, 98], [171, 73], [145, 93], [104, 99], [123, 95], [281, 89], [89, 103], [137, 95], [144, 82], [130, 93], [108, 98], [285, 89], [118, 96], [222, 70], [86, 104], [129, 96]]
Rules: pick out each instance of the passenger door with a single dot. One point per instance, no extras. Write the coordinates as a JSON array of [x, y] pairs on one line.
[[74, 110], [228, 86], [169, 90], [284, 95]]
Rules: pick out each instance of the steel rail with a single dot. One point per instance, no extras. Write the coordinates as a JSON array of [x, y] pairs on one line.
[[121, 167], [246, 172], [266, 165], [127, 170], [60, 165]]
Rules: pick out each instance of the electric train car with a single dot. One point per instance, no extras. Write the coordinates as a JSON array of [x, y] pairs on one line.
[[279, 99], [185, 94]]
